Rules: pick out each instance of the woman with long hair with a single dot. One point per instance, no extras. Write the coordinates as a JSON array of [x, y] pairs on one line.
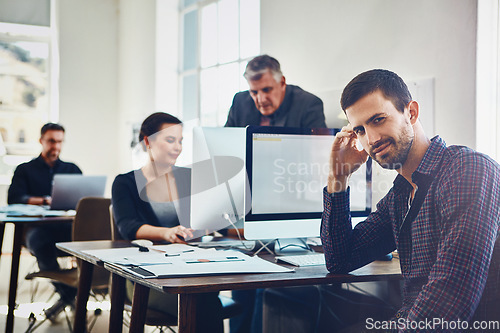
[[153, 202]]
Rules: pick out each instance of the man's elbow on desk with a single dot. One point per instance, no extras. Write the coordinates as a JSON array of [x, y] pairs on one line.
[[337, 266]]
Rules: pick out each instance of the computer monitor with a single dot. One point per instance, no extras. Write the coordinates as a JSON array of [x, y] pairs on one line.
[[218, 177], [287, 170]]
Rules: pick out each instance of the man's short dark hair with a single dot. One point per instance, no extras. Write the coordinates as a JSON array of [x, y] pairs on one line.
[[261, 64], [390, 84], [50, 127]]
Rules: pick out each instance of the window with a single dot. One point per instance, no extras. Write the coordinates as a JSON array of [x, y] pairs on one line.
[[218, 39], [488, 79], [26, 89]]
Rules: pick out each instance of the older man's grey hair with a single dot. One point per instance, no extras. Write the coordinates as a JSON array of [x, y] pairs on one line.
[[260, 65]]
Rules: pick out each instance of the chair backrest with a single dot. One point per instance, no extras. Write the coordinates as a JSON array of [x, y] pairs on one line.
[[92, 219], [115, 233], [92, 223]]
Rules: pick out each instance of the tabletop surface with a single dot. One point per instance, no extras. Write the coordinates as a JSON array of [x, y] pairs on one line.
[[4, 218], [375, 271]]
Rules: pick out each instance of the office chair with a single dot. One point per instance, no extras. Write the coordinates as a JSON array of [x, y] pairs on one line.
[[91, 223], [158, 319]]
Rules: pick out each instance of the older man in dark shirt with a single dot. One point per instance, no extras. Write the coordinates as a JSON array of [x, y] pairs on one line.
[[32, 184], [269, 101]]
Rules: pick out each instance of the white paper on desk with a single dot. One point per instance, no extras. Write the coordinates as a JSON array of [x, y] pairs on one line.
[[26, 210], [158, 254], [129, 256], [181, 267], [57, 213], [176, 249]]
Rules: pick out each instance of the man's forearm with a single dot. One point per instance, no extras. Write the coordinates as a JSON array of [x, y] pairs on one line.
[[334, 227], [36, 201]]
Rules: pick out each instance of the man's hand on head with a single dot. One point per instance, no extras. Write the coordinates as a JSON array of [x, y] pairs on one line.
[[345, 159]]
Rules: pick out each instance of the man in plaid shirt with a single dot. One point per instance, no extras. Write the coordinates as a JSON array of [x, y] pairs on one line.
[[442, 213]]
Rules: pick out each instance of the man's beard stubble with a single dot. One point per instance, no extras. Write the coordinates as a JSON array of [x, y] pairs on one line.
[[396, 159]]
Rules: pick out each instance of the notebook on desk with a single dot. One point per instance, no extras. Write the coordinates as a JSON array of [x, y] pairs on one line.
[[68, 189]]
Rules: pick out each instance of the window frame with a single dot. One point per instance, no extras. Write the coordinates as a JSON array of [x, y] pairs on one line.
[[488, 78], [197, 71]]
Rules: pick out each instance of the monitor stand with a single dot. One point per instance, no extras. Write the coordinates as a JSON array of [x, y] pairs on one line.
[[291, 246]]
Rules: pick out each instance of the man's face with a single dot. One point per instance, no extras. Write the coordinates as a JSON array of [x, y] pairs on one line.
[[385, 133], [51, 143], [267, 93]]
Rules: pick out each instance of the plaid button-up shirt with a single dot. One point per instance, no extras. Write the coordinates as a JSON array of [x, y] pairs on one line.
[[446, 251]]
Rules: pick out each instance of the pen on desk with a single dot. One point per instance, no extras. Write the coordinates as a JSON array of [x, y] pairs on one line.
[[227, 259], [145, 245], [177, 254], [147, 249]]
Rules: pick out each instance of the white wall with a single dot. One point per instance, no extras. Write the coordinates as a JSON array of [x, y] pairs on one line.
[[119, 61], [109, 78], [136, 94], [88, 43], [323, 44]]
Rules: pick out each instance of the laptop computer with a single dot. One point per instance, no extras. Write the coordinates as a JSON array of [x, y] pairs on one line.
[[68, 189]]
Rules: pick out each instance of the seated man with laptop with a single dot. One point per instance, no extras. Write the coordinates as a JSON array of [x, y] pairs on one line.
[[32, 184]]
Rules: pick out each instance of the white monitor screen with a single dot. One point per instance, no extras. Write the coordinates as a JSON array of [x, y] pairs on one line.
[[287, 171], [218, 177]]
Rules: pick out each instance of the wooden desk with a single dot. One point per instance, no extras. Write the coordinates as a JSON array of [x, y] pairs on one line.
[[19, 224], [189, 287]]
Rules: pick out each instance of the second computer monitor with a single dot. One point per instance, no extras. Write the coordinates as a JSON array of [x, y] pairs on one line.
[[218, 177], [287, 170]]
